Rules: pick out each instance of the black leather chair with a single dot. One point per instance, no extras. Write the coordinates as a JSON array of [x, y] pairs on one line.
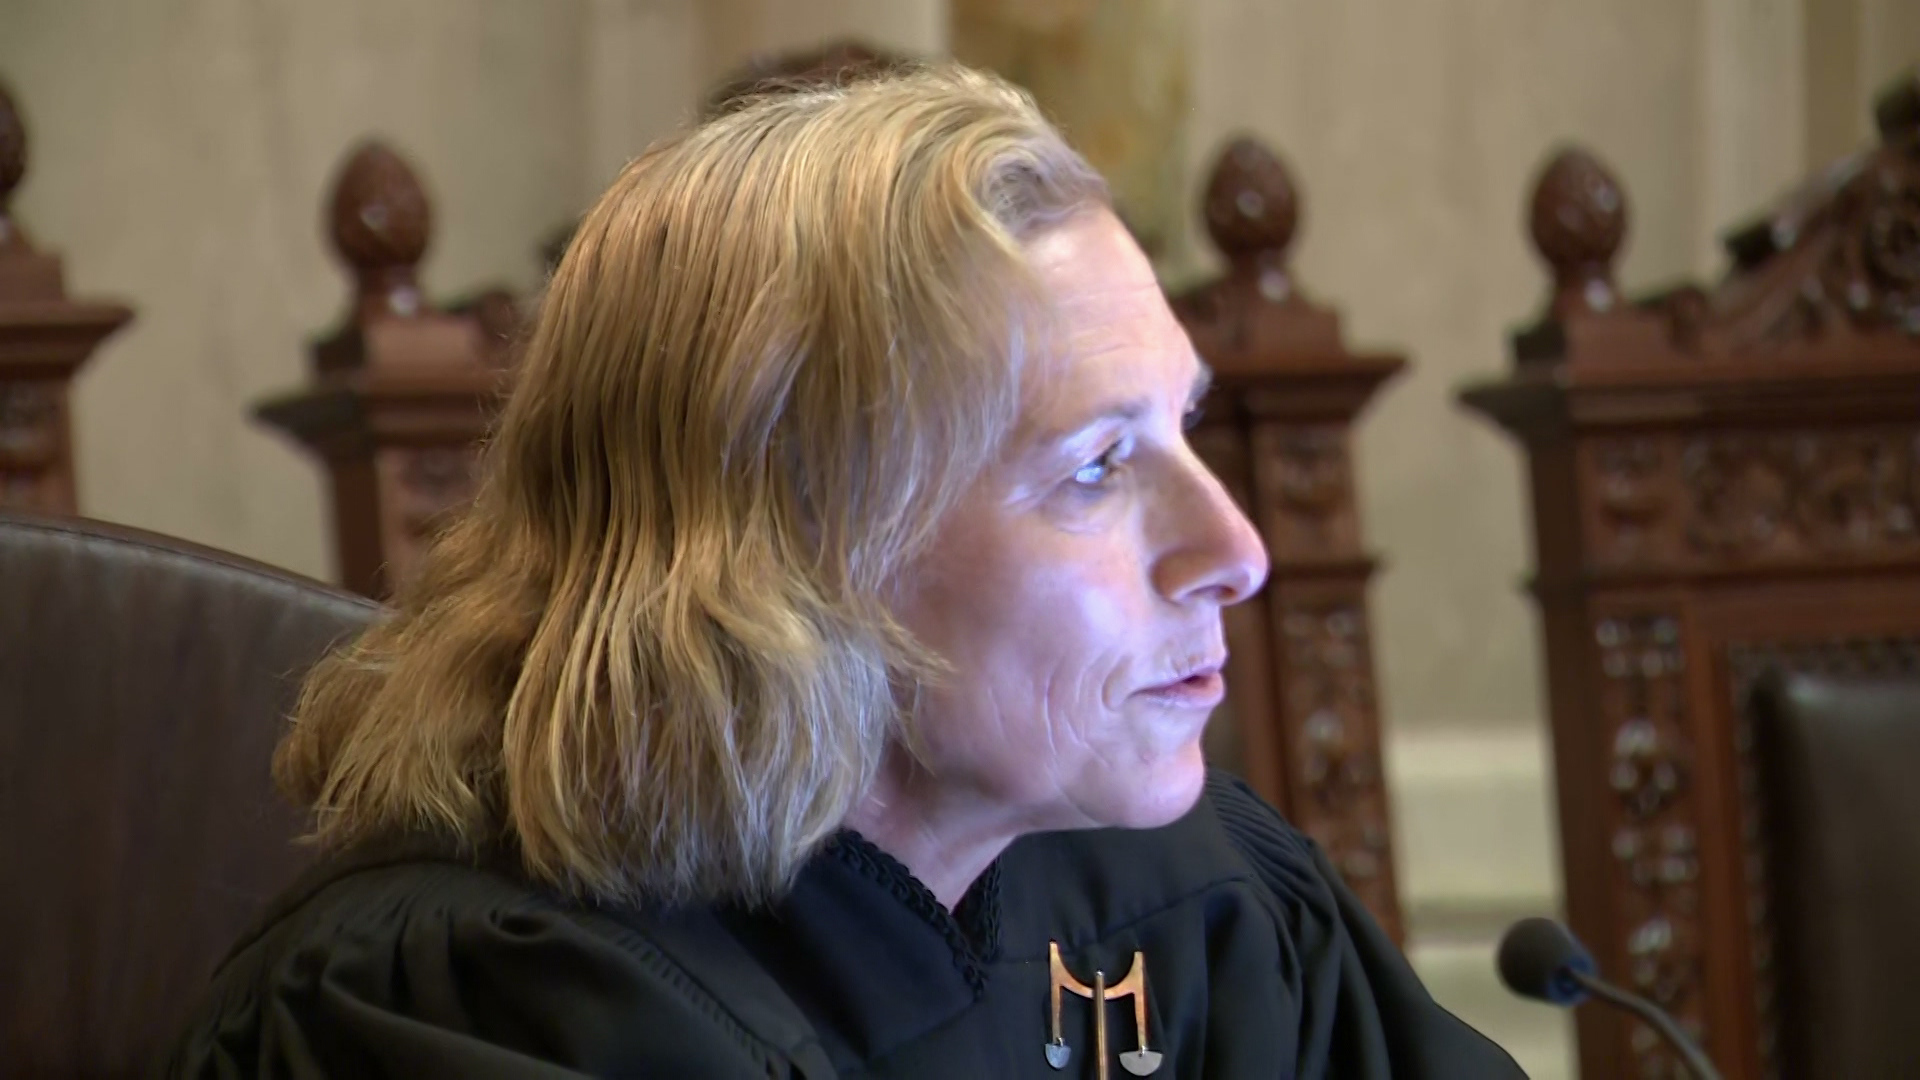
[[143, 684], [1840, 764]]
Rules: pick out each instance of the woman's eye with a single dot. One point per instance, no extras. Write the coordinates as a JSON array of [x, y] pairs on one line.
[[1097, 472]]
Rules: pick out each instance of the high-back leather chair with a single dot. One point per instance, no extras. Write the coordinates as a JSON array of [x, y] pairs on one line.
[[1840, 766], [143, 684]]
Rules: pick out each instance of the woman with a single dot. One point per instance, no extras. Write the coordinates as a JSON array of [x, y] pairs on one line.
[[816, 687]]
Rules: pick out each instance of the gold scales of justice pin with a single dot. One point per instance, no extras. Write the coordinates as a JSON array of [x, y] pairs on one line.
[[1140, 1062]]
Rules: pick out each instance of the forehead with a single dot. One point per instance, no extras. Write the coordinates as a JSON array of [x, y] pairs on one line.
[[1113, 331]]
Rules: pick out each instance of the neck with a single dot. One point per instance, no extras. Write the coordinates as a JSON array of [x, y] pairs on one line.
[[947, 841]]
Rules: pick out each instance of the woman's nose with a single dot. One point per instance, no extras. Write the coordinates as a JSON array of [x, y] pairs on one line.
[[1216, 555]]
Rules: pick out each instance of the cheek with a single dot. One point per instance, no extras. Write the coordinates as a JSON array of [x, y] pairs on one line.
[[1042, 653], [988, 590], [1062, 618], [1037, 629]]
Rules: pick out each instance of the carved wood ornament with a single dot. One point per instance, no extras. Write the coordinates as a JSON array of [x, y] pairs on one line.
[[1724, 478], [45, 338], [1278, 430], [403, 391]]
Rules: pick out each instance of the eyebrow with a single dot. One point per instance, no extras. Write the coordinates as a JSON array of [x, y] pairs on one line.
[[1131, 409]]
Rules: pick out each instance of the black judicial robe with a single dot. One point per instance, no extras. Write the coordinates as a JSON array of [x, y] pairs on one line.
[[1258, 963]]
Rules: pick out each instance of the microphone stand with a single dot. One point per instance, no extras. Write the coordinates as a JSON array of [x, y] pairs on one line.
[[1696, 1061]]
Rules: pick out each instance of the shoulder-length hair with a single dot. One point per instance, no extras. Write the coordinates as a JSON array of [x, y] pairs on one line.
[[656, 657]]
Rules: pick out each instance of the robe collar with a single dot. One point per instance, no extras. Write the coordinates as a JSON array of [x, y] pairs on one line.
[[869, 953]]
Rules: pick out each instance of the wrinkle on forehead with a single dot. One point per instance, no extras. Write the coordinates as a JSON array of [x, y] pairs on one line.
[[1091, 260], [1113, 335]]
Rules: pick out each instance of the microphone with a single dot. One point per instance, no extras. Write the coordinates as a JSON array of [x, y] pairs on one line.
[[1540, 959]]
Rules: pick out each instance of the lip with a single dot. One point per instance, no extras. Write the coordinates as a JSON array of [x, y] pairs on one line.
[[1203, 688]]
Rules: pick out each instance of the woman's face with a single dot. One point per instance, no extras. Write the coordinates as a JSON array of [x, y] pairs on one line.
[[1076, 592]]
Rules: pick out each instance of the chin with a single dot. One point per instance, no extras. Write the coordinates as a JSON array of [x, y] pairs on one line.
[[1166, 792]]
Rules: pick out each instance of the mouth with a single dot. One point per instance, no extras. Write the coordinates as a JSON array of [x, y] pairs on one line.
[[1202, 688]]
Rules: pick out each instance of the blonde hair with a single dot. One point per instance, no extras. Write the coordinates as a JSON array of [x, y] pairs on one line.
[[655, 658]]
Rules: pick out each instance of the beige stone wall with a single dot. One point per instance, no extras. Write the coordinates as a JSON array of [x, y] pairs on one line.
[[645, 62], [1851, 49], [1115, 76], [737, 29], [180, 153], [650, 61], [1890, 36]]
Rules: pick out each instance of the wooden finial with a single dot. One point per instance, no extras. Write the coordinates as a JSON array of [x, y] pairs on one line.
[[1578, 221], [496, 313], [1252, 209], [1254, 318], [555, 247], [13, 165], [1896, 112], [380, 225]]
